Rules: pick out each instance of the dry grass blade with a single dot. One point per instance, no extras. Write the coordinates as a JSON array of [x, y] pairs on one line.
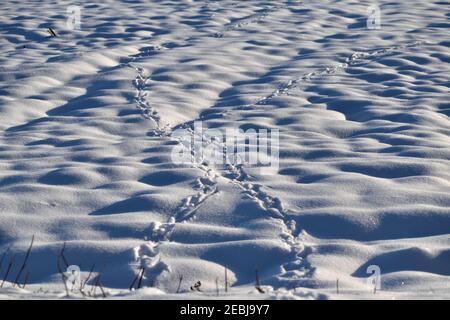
[[141, 277], [180, 280], [52, 32], [11, 263], [101, 289], [226, 279], [217, 286], [24, 264], [3, 257], [25, 281], [63, 256], [97, 285], [135, 279], [258, 283]]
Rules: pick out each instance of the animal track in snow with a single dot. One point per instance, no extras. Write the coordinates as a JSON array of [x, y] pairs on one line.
[[252, 19], [147, 256], [141, 84], [297, 267], [206, 187], [141, 97], [356, 58], [236, 174], [254, 191]]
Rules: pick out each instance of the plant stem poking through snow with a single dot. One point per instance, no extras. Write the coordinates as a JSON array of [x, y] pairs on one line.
[[11, 262], [217, 286], [24, 264], [258, 283], [141, 277], [226, 279], [63, 256], [27, 275], [180, 280], [3, 258], [51, 32], [98, 285], [138, 278], [87, 279]]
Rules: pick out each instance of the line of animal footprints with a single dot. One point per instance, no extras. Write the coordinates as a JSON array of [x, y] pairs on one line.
[[254, 18], [206, 187], [356, 58]]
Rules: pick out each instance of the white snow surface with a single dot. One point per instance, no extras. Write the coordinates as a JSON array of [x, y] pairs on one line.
[[363, 115]]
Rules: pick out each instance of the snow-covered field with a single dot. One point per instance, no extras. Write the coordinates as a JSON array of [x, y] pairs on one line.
[[87, 137]]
